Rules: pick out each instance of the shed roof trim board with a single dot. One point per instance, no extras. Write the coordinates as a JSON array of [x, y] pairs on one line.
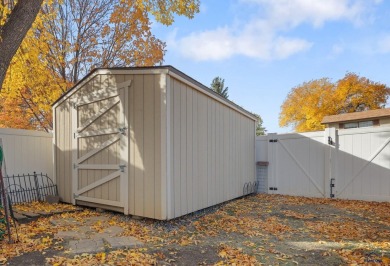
[[154, 70], [378, 113]]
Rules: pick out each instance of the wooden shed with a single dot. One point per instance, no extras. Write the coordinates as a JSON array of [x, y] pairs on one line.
[[150, 142]]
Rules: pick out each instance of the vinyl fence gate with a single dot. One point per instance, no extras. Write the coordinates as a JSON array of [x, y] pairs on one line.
[[346, 164]]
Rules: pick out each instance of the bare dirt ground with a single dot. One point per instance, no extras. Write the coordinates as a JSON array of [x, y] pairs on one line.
[[255, 230]]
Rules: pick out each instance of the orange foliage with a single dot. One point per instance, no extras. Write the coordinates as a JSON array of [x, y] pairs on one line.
[[70, 38], [307, 104]]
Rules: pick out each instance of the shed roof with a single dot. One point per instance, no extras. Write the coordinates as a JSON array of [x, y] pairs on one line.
[[166, 68], [371, 114]]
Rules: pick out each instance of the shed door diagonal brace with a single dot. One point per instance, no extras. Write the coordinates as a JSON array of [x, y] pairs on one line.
[[96, 150], [365, 165], [302, 168], [110, 104], [99, 182]]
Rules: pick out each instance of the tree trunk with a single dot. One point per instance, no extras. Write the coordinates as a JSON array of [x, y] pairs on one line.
[[14, 30]]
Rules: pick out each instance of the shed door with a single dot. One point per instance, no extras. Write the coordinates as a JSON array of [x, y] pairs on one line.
[[100, 155]]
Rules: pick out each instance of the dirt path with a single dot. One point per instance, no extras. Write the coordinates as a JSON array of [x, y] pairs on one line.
[[259, 229]]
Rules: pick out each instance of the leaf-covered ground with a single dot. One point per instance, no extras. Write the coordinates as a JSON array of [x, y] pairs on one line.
[[255, 230]]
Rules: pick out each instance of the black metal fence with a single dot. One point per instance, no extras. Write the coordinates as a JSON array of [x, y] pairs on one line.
[[29, 187]]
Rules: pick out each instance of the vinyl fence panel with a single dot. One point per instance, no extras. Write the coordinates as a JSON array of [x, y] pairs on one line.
[[27, 151], [356, 161], [363, 164]]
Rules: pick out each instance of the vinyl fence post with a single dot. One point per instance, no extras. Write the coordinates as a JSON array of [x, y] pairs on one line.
[[330, 145], [272, 178]]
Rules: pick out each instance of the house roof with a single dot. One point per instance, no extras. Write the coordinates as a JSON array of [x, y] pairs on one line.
[[378, 113], [166, 68]]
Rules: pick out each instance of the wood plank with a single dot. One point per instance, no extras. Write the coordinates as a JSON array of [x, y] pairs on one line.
[[195, 150], [218, 153], [98, 166], [99, 182], [93, 176], [60, 167], [100, 201], [160, 137], [176, 148], [183, 148], [139, 144], [110, 104], [149, 145], [102, 146], [95, 97], [124, 151], [110, 188], [226, 173], [210, 185], [132, 143], [202, 155], [99, 132], [170, 151], [67, 154], [213, 144], [189, 150]]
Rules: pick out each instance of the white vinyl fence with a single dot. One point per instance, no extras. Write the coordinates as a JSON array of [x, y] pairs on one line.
[[27, 151], [348, 164]]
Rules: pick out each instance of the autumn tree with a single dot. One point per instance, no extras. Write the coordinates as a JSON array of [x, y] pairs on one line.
[[102, 33], [308, 103], [69, 39], [30, 86], [16, 20], [218, 85]]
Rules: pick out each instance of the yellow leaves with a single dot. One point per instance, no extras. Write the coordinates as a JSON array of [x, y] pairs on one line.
[[363, 257], [346, 230], [247, 225], [251, 234], [3, 260], [234, 256], [30, 86], [101, 257], [118, 257], [47, 240], [164, 11], [43, 206], [98, 226], [187, 240], [356, 93], [297, 215], [70, 38], [308, 103]]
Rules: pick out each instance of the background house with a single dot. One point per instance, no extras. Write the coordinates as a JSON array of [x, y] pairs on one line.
[[371, 118]]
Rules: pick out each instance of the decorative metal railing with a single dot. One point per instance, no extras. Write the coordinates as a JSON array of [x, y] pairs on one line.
[[29, 187]]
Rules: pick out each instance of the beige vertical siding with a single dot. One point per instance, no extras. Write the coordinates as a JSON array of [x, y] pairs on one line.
[[145, 162], [63, 167], [187, 151], [212, 150]]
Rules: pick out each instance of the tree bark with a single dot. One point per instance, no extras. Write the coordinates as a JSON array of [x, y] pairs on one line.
[[14, 30]]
